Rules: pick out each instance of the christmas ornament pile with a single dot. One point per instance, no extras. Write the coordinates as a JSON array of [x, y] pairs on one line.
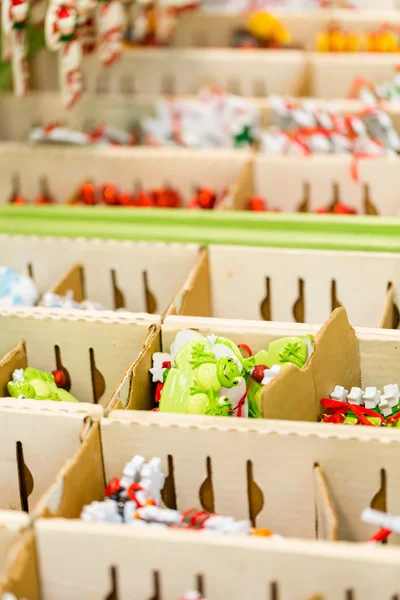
[[359, 407], [51, 300], [210, 376], [39, 385], [16, 289], [215, 119], [135, 499], [305, 128]]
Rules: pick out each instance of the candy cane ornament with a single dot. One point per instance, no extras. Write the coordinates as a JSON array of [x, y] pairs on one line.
[[15, 17], [61, 31], [110, 23]]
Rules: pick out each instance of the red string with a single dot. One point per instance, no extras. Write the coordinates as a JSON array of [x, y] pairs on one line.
[[241, 402], [380, 535]]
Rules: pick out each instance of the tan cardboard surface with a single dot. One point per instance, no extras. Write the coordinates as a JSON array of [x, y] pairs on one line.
[[15, 359], [48, 436], [230, 566], [21, 577], [11, 522], [195, 297], [72, 281], [89, 346], [108, 266], [80, 481], [283, 456]]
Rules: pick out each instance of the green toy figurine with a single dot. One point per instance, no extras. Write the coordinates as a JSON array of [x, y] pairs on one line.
[[38, 385], [210, 376]]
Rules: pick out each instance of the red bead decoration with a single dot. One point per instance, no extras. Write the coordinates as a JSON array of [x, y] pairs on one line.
[[206, 198], [60, 378], [87, 194], [257, 204], [18, 199], [144, 199], [109, 194], [126, 199], [258, 373]]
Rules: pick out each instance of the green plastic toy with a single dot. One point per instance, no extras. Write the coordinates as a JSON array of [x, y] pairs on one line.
[[38, 385], [210, 376]]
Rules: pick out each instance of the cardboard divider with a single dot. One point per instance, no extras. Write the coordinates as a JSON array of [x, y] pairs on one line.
[[216, 29], [32, 430], [109, 561], [190, 449], [22, 576], [72, 281], [369, 185], [11, 523], [65, 169], [314, 284], [94, 352], [117, 274]]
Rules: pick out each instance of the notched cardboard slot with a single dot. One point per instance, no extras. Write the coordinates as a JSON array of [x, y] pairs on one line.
[[326, 515], [150, 299], [274, 591], [206, 492], [119, 299], [334, 299], [156, 586], [368, 205], [254, 494], [265, 308], [350, 595], [305, 202], [113, 595], [62, 368], [25, 478], [29, 268], [98, 381], [200, 585], [299, 305], [168, 493], [391, 317], [379, 501]]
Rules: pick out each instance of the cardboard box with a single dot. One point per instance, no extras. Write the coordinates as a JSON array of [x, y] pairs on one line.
[[301, 480], [117, 274], [234, 282], [93, 351], [65, 169], [37, 438], [216, 29], [113, 562], [367, 357]]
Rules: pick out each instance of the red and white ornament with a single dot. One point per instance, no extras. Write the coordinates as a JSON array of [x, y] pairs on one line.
[[15, 16], [61, 31], [110, 26]]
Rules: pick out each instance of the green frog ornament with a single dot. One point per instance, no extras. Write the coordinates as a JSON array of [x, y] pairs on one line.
[[210, 376], [37, 385]]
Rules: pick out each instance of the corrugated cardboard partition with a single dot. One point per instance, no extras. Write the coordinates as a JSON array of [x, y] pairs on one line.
[[95, 351], [247, 283], [107, 561], [247, 470], [11, 522], [295, 394], [216, 29], [22, 577], [351, 175], [41, 108], [37, 437], [140, 277], [66, 168]]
